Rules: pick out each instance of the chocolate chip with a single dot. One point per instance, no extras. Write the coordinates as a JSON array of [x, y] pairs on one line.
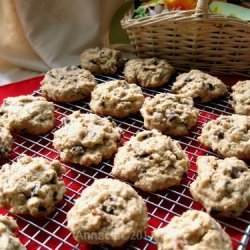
[[154, 61], [188, 79], [1, 113], [197, 98], [146, 136], [219, 134], [53, 180], [102, 103], [143, 170], [41, 208], [109, 205], [102, 54], [236, 172], [93, 61], [211, 86], [79, 66], [55, 196], [61, 78], [77, 149], [142, 155], [3, 151], [66, 120], [171, 116]]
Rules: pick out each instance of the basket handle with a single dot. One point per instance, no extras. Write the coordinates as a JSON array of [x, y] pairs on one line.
[[202, 8]]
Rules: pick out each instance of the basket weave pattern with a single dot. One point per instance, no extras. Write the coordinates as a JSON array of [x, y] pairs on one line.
[[193, 39]]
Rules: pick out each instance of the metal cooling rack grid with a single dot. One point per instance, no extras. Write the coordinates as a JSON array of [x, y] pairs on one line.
[[52, 233]]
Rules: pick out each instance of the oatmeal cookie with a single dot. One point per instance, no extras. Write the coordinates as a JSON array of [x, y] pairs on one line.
[[116, 98], [31, 185], [101, 61], [108, 212], [87, 139], [169, 113], [8, 241], [228, 136], [241, 97], [222, 186], [6, 142], [67, 84], [201, 86], [27, 114], [193, 230], [151, 161], [149, 72]]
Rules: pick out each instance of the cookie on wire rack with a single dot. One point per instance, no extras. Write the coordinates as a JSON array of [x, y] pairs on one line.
[[222, 186], [151, 161], [8, 241], [27, 114], [228, 136], [104, 61], [241, 97], [6, 141], [67, 84], [31, 185], [108, 212], [201, 86], [149, 72], [171, 114], [116, 98], [87, 139], [194, 230]]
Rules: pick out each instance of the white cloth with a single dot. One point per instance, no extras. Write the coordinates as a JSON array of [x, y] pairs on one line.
[[38, 35]]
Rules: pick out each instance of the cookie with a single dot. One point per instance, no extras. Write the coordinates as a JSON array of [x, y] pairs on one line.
[[87, 139], [116, 98], [228, 136], [67, 84], [222, 186], [108, 212], [200, 86], [8, 240], [101, 61], [171, 114], [31, 185], [194, 230], [149, 72], [241, 97], [6, 142], [27, 114], [151, 161]]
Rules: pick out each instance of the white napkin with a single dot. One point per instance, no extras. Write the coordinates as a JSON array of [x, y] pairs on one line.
[[38, 35]]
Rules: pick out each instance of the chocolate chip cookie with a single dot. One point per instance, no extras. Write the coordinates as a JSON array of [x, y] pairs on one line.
[[101, 60], [228, 136], [6, 142], [27, 114], [8, 241], [108, 212], [149, 72], [201, 86], [31, 185], [87, 139], [67, 84], [151, 161], [222, 186], [116, 98], [194, 230], [169, 113], [241, 97]]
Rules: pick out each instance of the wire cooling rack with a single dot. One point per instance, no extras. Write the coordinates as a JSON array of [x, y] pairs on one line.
[[52, 232]]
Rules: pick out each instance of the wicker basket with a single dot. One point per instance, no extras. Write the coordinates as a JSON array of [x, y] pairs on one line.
[[193, 39]]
